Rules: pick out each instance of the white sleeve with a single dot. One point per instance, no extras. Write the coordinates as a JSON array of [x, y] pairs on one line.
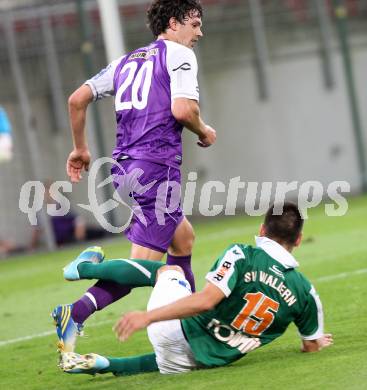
[[182, 68], [102, 83], [311, 324], [224, 273]]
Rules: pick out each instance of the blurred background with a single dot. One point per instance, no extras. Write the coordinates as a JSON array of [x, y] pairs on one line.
[[282, 81]]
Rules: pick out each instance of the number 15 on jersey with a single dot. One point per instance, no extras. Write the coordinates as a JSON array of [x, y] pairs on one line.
[[257, 314]]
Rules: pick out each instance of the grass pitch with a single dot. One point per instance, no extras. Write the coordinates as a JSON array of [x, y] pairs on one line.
[[333, 256]]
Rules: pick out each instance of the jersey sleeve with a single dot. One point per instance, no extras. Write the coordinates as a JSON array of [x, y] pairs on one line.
[[310, 323], [102, 83], [182, 68], [224, 273]]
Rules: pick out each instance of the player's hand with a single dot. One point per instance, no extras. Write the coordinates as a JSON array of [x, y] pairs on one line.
[[318, 344], [78, 161], [325, 341], [209, 138], [130, 323]]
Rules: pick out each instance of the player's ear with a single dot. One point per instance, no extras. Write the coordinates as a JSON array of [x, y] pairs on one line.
[[299, 240], [172, 24], [262, 231]]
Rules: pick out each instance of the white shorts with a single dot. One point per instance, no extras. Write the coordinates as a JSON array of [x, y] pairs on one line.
[[173, 352]]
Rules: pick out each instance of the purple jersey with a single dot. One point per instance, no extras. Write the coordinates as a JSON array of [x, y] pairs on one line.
[[144, 82]]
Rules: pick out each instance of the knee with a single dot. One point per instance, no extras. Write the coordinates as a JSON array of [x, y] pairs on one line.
[[170, 268]]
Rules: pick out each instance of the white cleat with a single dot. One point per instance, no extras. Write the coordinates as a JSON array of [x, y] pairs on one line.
[[91, 363]]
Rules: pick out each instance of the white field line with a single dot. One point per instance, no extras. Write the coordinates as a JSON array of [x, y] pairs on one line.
[[51, 332], [341, 275], [44, 334]]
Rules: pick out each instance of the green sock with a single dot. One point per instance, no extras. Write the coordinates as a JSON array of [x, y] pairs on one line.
[[132, 365], [137, 273]]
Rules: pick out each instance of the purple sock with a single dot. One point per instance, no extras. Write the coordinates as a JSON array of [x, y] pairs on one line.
[[185, 263], [82, 309], [104, 293]]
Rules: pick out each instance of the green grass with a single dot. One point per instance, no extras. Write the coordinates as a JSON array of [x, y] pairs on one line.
[[31, 286]]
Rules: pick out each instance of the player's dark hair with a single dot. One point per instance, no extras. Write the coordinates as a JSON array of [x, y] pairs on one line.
[[161, 11], [286, 227]]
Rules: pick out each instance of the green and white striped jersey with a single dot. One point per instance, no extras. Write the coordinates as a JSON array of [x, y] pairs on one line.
[[264, 294]]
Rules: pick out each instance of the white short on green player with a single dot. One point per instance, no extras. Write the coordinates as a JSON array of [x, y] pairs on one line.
[[173, 353]]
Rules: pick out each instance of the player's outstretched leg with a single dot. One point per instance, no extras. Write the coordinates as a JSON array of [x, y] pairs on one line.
[[133, 273], [67, 328], [73, 363], [117, 277]]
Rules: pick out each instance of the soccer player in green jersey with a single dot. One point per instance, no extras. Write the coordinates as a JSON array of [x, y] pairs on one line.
[[251, 296]]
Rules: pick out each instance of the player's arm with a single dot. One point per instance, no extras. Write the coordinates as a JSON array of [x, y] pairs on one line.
[[79, 158], [182, 68], [194, 304], [98, 87], [78, 103], [187, 112], [311, 325]]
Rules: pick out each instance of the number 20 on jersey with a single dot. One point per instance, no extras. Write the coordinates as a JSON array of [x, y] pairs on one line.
[[141, 81]]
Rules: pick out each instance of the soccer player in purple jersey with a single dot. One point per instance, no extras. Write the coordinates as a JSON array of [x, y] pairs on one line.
[[156, 95]]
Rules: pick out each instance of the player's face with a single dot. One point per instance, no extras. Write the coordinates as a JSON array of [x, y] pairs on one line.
[[189, 32]]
